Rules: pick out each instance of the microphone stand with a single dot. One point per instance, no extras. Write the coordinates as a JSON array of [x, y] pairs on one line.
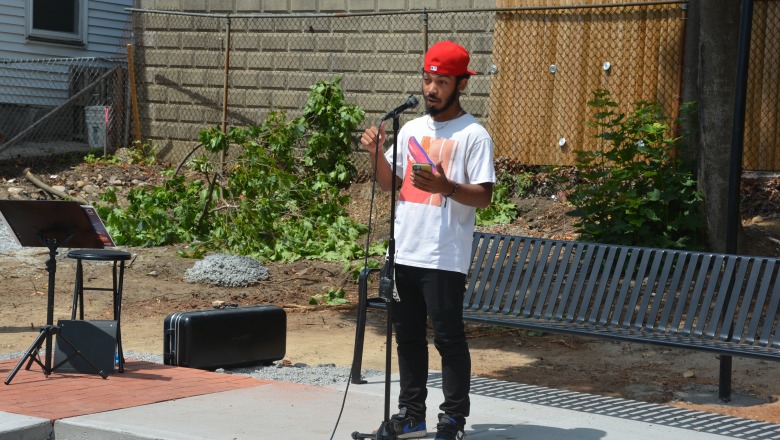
[[386, 286]]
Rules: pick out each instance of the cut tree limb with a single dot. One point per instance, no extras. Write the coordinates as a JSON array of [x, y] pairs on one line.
[[63, 195]]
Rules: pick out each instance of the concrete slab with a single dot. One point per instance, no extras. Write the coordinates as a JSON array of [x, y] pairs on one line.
[[500, 410], [18, 427]]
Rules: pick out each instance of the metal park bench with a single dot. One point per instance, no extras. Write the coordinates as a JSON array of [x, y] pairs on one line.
[[720, 303]]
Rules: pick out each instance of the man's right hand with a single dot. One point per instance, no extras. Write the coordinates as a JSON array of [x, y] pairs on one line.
[[368, 140]]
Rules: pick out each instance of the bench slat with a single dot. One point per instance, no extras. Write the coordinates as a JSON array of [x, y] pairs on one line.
[[615, 283], [506, 268], [646, 288], [602, 286], [571, 269], [494, 267], [756, 312], [659, 293], [564, 263], [691, 305], [769, 338], [725, 326], [749, 294], [672, 295], [515, 300], [628, 311], [533, 292], [545, 293], [715, 281], [578, 271], [582, 302]]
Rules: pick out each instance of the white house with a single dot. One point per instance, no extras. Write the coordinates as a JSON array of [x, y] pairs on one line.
[[50, 51], [62, 28]]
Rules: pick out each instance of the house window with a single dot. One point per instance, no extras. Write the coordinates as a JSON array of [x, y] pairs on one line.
[[61, 21]]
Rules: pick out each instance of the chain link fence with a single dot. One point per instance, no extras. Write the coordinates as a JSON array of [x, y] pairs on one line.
[[52, 106], [537, 68]]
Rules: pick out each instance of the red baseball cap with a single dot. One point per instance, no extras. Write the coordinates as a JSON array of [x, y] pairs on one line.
[[447, 58]]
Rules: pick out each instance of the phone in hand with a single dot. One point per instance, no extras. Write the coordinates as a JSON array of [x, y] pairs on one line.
[[422, 166]]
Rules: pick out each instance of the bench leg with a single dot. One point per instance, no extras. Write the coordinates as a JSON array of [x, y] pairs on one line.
[[724, 388], [360, 331]]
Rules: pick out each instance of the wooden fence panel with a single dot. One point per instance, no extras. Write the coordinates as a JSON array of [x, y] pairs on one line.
[[761, 150], [563, 51]]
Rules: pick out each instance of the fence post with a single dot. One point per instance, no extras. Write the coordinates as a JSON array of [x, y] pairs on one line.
[[133, 95], [680, 69], [424, 17], [223, 153]]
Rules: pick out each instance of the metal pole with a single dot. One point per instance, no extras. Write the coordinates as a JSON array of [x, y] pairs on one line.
[[133, 94], [424, 17], [735, 168], [680, 69], [225, 91]]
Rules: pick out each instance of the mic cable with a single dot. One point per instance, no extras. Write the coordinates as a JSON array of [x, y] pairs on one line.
[[365, 263]]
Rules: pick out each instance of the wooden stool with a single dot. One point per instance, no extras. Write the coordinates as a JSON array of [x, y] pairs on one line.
[[118, 258]]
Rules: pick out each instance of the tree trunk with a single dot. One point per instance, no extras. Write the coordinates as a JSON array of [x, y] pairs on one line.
[[715, 58]]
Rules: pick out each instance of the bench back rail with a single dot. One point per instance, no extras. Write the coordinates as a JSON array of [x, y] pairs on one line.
[[667, 293]]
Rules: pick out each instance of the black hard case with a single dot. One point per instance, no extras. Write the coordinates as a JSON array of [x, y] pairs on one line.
[[228, 337]]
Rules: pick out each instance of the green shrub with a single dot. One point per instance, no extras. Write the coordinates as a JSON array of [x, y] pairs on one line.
[[633, 190]]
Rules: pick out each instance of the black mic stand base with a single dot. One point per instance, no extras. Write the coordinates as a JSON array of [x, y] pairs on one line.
[[383, 433]]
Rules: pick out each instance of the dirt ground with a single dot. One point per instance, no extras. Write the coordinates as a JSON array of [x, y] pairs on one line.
[[155, 287]]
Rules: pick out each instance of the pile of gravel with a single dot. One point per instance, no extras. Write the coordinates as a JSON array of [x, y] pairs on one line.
[[317, 375], [227, 271]]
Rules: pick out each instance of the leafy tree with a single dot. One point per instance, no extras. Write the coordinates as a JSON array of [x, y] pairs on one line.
[[280, 201]]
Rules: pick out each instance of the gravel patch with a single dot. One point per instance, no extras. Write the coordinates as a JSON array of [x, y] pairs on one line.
[[317, 375], [227, 270]]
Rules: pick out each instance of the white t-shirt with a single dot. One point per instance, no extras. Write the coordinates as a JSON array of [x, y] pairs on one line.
[[432, 231]]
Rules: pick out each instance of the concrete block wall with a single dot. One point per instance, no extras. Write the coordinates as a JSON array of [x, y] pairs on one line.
[[275, 60]]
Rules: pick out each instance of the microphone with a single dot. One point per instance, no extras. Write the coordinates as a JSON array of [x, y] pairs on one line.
[[411, 102]]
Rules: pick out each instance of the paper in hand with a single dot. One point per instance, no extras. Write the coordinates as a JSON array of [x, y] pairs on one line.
[[418, 154]]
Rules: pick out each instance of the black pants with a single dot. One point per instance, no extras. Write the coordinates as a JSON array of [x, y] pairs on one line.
[[437, 293]]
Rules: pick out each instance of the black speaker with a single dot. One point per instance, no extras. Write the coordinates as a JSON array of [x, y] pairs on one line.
[[96, 340]]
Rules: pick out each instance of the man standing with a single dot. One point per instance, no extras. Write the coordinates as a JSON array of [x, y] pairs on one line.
[[434, 227]]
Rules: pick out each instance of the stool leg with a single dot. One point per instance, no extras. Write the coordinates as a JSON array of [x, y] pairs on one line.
[[81, 290], [77, 293], [118, 312]]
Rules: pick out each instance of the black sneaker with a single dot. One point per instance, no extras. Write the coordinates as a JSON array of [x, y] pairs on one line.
[[407, 427], [449, 429]]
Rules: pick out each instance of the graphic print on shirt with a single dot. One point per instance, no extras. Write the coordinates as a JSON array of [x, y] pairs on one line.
[[437, 149]]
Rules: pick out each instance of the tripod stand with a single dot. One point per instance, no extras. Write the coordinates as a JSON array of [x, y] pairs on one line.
[[386, 286], [51, 224]]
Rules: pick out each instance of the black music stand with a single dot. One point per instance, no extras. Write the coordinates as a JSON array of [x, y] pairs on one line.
[[50, 224]]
